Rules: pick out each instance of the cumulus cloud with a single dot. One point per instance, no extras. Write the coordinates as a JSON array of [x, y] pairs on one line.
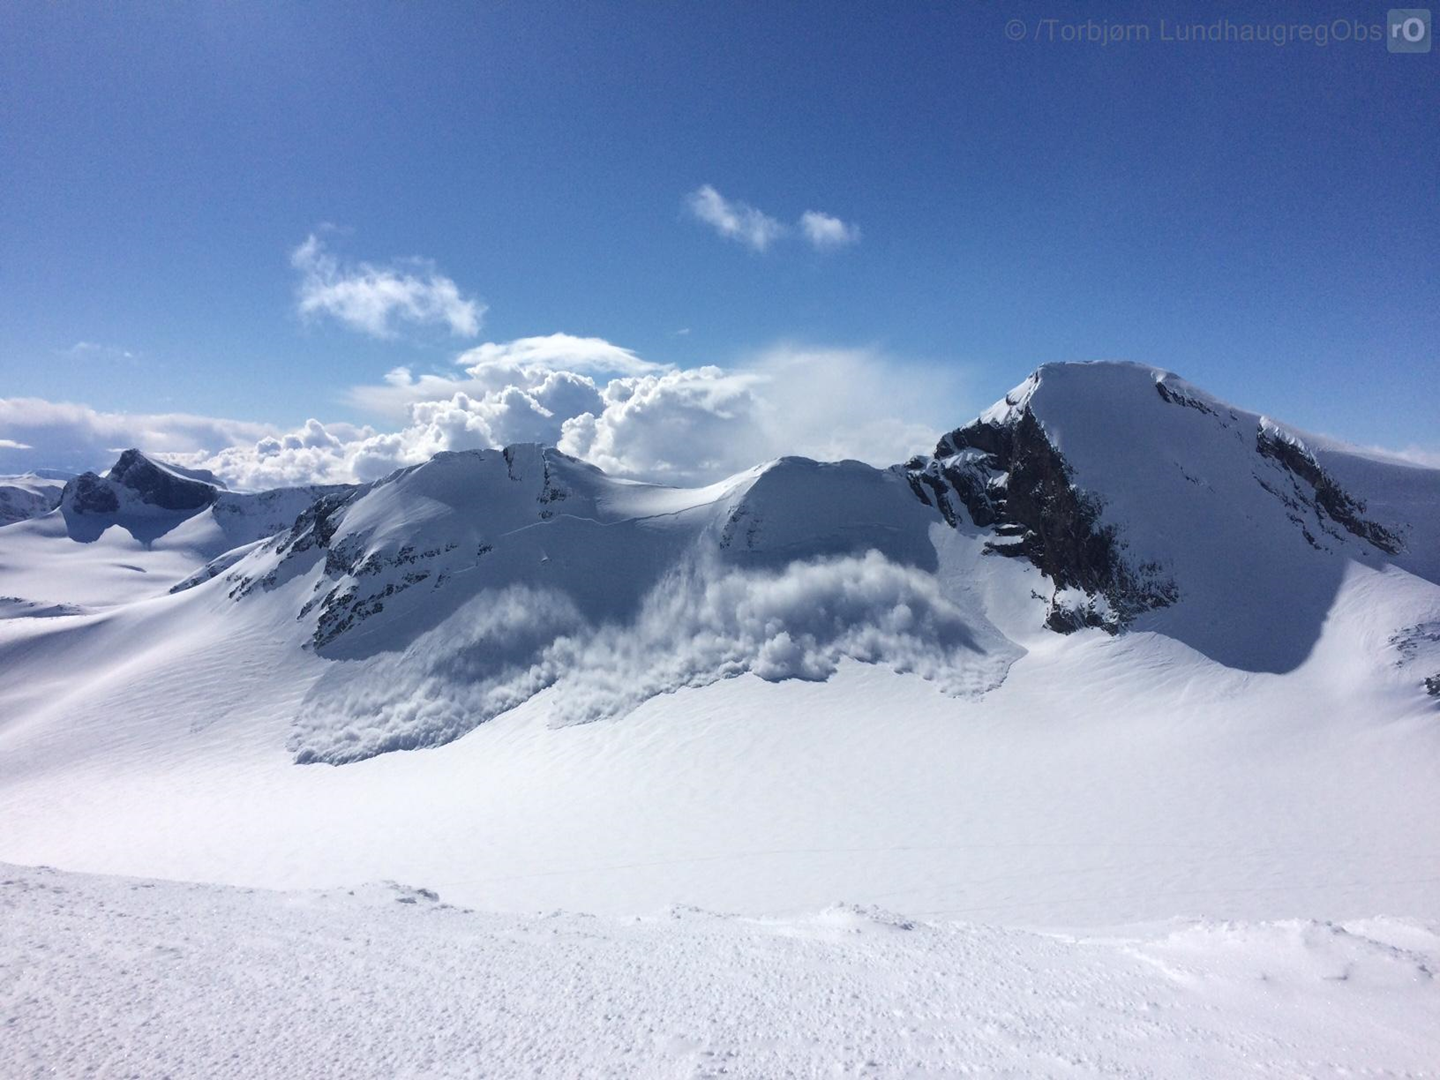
[[826, 233], [495, 366], [373, 299], [680, 426], [657, 422], [736, 220], [597, 401], [555, 352], [702, 623]]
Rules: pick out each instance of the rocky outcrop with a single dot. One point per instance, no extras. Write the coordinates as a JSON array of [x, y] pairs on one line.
[[136, 477], [1329, 499], [89, 494], [1007, 476], [159, 486]]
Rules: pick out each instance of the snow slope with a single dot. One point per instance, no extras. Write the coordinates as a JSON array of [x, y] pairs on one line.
[[135, 533], [26, 496], [812, 682], [113, 976]]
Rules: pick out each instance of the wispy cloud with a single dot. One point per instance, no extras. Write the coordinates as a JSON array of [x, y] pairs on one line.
[[373, 299], [827, 233], [757, 230], [736, 220], [94, 350]]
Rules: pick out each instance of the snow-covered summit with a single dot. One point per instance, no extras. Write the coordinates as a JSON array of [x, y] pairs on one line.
[[1150, 503]]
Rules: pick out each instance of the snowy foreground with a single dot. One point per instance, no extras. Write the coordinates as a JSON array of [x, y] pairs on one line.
[[126, 977]]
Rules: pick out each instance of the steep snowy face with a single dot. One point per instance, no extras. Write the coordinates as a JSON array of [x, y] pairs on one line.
[[1147, 502]]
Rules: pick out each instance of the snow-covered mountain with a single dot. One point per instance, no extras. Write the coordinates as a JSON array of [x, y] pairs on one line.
[[28, 495], [1114, 642], [135, 532]]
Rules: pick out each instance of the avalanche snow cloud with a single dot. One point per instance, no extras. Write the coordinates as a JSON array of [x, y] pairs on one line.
[[702, 623]]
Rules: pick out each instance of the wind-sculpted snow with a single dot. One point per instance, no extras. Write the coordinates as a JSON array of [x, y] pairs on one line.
[[112, 976], [702, 623]]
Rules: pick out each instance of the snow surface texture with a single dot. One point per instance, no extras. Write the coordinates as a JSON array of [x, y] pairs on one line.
[[114, 976]]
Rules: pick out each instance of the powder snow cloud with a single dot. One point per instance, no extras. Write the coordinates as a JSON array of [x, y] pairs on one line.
[[702, 623]]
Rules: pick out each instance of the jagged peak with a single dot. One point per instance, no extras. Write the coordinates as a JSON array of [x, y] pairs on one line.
[[136, 477]]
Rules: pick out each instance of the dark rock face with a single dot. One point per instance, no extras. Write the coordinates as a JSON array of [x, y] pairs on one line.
[[92, 494], [1432, 686], [1329, 497], [351, 592], [159, 487], [313, 528], [1009, 477], [1174, 396], [89, 494]]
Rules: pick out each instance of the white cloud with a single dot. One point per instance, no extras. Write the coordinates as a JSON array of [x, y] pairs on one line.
[[62, 435], [555, 352], [735, 220], [600, 402], [373, 299], [1413, 455], [680, 426], [758, 230], [495, 366], [827, 233], [92, 350]]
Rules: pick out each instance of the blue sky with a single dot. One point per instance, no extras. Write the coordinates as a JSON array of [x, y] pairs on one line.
[[1260, 219]]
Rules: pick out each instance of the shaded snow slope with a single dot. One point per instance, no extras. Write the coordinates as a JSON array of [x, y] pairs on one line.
[[27, 496], [114, 976]]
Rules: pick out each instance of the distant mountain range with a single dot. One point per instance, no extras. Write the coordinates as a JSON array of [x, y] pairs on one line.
[[1106, 541]]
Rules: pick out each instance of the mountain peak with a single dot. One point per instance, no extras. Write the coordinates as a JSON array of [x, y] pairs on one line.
[[137, 478]]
